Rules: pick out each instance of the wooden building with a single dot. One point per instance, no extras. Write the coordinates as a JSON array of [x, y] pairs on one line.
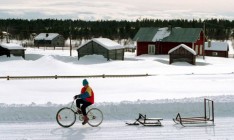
[[182, 53], [10, 48], [102, 46], [49, 40], [130, 48], [217, 49], [152, 40]]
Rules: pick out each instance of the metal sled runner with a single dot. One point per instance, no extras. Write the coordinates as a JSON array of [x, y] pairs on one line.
[[208, 116], [146, 121]]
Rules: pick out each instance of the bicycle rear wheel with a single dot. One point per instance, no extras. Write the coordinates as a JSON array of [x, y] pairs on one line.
[[66, 117], [95, 117]]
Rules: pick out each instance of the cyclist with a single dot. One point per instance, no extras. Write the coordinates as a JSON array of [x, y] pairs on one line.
[[86, 98]]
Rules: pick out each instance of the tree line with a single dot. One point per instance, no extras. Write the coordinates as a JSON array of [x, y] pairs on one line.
[[218, 29]]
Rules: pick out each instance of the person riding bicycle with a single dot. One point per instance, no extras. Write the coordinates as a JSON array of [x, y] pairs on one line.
[[86, 98]]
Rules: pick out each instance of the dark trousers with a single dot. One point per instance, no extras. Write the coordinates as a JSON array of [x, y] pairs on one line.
[[84, 105]]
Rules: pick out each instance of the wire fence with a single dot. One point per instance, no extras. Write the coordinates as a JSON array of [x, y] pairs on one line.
[[74, 76]]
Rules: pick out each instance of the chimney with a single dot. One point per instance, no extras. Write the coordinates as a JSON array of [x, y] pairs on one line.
[[209, 44], [170, 27]]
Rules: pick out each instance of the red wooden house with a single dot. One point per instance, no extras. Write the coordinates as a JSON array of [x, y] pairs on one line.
[[151, 40], [218, 49]]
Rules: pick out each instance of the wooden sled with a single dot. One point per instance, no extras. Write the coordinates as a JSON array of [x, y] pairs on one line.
[[146, 121], [202, 121]]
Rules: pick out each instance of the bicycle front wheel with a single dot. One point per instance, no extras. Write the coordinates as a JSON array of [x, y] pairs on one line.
[[66, 117], [95, 117]]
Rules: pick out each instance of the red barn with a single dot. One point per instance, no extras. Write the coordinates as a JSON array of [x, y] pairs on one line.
[[151, 40]]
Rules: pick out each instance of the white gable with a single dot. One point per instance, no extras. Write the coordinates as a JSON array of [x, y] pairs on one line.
[[11, 46], [185, 47], [46, 36], [216, 46]]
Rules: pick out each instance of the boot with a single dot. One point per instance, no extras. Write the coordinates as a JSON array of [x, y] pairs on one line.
[[86, 119]]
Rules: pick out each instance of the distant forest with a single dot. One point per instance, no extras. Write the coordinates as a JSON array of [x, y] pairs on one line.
[[218, 29]]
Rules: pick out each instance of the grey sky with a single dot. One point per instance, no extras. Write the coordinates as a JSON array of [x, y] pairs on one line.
[[117, 9]]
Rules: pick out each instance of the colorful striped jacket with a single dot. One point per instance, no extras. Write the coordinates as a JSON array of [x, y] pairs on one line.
[[87, 94]]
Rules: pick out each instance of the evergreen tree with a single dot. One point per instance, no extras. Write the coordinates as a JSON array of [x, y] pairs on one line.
[[219, 29]]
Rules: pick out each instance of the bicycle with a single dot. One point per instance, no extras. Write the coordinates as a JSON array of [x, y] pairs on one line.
[[66, 116]]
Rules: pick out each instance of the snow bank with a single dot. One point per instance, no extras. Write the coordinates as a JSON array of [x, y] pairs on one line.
[[166, 109]]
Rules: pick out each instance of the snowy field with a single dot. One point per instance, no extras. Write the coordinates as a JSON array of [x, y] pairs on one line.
[[28, 107]]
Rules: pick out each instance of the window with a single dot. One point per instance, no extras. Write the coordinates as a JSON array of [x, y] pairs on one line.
[[201, 49], [196, 49], [214, 53]]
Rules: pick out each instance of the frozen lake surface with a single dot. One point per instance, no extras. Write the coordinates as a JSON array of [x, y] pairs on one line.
[[110, 130]]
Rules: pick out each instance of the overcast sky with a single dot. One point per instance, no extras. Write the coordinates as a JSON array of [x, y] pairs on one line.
[[117, 9]]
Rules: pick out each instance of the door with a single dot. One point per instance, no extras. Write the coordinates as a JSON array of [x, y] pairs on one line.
[[151, 49]]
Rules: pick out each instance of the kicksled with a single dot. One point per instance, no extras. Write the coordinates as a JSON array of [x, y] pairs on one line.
[[143, 120]]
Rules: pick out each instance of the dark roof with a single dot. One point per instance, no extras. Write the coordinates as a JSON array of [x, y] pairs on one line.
[[145, 34], [184, 35]]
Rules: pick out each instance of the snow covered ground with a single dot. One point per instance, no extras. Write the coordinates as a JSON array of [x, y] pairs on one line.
[[117, 130], [28, 107]]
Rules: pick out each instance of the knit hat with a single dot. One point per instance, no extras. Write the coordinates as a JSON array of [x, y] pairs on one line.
[[85, 82]]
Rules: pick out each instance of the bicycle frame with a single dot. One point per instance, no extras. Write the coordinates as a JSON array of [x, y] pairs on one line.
[[73, 107]]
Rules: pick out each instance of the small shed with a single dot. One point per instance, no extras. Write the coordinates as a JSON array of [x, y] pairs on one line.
[[102, 46], [182, 53], [217, 49], [130, 48], [49, 40], [11, 48]]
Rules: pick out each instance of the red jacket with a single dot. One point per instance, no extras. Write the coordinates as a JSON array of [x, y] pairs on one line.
[[87, 94]]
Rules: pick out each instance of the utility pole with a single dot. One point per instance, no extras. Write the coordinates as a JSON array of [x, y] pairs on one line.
[[70, 39], [1, 34], [204, 39], [7, 36]]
